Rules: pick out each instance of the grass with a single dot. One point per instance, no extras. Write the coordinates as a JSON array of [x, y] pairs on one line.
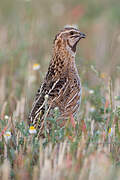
[[88, 147]]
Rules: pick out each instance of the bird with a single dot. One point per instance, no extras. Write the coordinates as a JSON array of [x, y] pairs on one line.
[[61, 85]]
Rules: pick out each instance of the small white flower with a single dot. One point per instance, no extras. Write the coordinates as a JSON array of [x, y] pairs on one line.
[[6, 117], [36, 67], [56, 108], [32, 130], [7, 136], [92, 109], [91, 91]]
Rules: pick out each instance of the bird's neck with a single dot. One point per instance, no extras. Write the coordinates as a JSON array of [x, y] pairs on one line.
[[61, 64], [64, 55]]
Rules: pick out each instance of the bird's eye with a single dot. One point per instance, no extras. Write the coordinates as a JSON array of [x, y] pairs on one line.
[[72, 32]]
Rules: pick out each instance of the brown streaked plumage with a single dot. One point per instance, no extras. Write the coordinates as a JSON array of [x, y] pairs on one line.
[[62, 82]]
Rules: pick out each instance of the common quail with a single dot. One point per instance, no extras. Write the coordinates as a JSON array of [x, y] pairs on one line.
[[61, 85]]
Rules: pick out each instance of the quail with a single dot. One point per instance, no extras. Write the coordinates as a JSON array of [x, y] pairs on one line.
[[61, 86]]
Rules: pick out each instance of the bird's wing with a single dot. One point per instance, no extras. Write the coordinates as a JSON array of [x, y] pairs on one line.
[[38, 103], [53, 89]]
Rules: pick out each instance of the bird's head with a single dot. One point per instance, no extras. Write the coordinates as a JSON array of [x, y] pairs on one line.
[[68, 38]]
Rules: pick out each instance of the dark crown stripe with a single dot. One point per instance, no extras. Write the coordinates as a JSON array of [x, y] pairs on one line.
[[65, 30]]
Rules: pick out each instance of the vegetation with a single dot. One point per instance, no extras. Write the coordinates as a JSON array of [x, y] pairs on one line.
[[88, 147]]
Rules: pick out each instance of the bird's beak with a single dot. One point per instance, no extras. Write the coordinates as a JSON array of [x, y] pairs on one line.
[[82, 35]]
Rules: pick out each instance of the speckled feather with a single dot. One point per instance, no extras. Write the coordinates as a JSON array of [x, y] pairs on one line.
[[61, 83]]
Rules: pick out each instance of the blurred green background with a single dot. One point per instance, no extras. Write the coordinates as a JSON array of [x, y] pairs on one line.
[[92, 149], [27, 31]]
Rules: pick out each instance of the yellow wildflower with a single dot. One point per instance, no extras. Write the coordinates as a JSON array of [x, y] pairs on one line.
[[36, 67], [7, 136], [103, 75], [32, 130]]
